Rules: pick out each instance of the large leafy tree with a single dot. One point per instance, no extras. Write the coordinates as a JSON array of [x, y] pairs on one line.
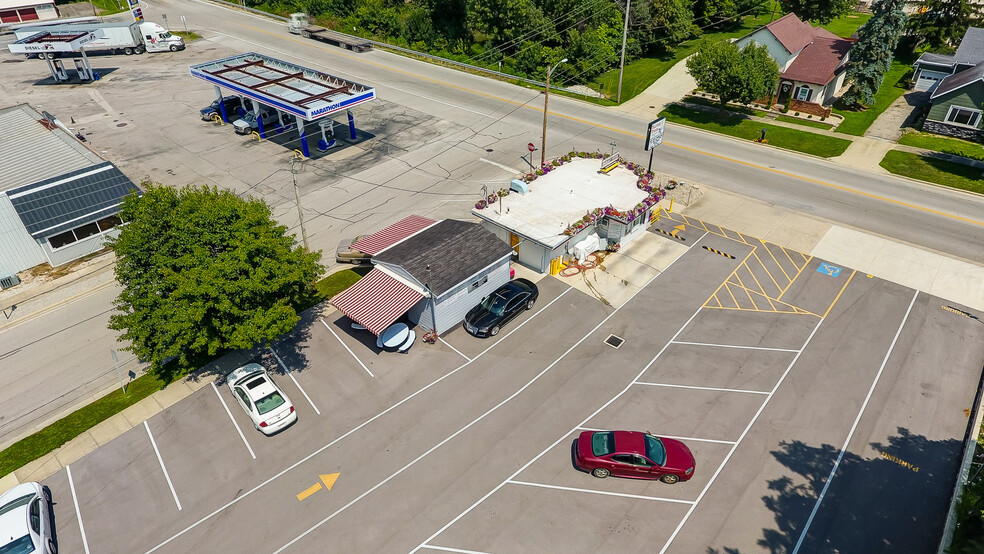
[[819, 11], [740, 75], [940, 23], [203, 271], [669, 23], [871, 57]]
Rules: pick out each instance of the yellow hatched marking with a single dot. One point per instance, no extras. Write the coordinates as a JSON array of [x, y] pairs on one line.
[[767, 272], [754, 278], [769, 250], [733, 299], [741, 285], [790, 309], [793, 280], [786, 252]]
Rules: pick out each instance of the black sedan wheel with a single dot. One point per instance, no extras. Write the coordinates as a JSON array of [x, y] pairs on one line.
[[494, 331], [601, 472], [529, 304], [669, 479]]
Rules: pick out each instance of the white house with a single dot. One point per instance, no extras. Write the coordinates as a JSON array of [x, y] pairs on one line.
[[811, 60], [20, 11]]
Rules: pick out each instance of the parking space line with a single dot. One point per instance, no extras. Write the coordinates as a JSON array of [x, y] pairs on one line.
[[459, 550], [696, 439], [734, 346], [663, 436], [291, 375], [346, 346], [741, 437], [694, 387], [836, 298], [605, 493], [164, 469], [455, 349], [793, 280], [236, 425], [596, 412], [854, 427], [78, 513], [354, 429]]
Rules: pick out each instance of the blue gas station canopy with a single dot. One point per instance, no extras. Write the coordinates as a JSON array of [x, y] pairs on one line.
[[282, 85]]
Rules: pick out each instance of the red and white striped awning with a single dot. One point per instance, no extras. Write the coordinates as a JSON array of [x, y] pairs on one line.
[[377, 242], [376, 300]]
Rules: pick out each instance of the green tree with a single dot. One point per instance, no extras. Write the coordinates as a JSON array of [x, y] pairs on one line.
[[739, 75], [204, 271], [670, 22], [418, 26], [508, 20], [942, 23], [871, 57], [819, 11]]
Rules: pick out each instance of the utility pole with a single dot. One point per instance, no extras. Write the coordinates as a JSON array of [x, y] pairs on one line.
[[546, 99], [297, 197], [625, 35]]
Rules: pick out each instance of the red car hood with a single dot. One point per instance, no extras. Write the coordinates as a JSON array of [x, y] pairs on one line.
[[678, 456]]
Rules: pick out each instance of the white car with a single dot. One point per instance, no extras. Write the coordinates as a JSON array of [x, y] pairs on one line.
[[265, 403], [26, 520]]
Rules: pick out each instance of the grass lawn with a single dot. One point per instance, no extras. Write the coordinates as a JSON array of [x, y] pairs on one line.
[[189, 36], [941, 172], [48, 439], [856, 123], [947, 145], [804, 122], [58, 433], [783, 137], [846, 25]]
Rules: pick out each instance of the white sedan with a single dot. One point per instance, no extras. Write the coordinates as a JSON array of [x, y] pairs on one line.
[[26, 522], [265, 403]]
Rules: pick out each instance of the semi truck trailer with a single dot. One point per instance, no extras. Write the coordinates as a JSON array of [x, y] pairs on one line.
[[128, 38], [298, 24]]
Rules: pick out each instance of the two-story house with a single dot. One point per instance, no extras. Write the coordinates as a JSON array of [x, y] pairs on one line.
[[956, 87]]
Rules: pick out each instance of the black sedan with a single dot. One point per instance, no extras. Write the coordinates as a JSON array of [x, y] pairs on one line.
[[233, 107], [498, 308]]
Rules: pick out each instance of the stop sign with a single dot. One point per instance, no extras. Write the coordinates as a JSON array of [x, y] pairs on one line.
[[531, 147]]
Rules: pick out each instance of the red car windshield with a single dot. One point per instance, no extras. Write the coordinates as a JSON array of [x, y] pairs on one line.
[[655, 450]]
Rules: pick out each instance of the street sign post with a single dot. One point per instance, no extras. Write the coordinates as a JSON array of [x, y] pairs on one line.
[[654, 137]]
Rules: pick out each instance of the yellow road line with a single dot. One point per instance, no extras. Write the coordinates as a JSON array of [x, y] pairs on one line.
[[636, 135], [769, 250], [836, 298], [761, 288]]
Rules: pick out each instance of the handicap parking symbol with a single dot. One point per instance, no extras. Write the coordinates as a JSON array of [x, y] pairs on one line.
[[827, 269]]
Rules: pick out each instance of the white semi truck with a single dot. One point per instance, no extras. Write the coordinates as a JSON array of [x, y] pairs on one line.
[[128, 38]]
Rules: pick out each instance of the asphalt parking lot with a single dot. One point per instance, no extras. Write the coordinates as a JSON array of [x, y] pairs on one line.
[[465, 445]]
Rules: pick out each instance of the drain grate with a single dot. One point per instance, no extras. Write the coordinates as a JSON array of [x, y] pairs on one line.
[[614, 341]]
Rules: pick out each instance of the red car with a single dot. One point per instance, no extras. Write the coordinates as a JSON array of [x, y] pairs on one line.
[[635, 455]]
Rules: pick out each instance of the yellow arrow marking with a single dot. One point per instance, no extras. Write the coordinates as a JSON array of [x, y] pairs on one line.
[[680, 228], [309, 491], [329, 480]]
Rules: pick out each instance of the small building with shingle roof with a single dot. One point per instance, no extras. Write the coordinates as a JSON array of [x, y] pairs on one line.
[[956, 88], [59, 201], [812, 60], [433, 274]]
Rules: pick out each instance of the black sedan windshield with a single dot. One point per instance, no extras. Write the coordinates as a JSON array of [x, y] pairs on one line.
[[494, 303]]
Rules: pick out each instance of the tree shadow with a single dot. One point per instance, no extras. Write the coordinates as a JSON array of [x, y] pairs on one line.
[[896, 501]]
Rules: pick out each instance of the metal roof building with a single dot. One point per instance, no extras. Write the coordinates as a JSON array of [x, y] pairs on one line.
[[58, 200]]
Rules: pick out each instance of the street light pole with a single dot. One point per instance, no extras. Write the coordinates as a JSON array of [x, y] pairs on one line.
[[297, 198], [546, 99]]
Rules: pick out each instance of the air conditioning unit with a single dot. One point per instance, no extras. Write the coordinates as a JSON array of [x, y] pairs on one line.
[[9, 281]]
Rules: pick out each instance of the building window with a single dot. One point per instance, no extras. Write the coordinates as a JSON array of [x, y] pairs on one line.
[[477, 284], [804, 93], [963, 116], [83, 231], [62, 239]]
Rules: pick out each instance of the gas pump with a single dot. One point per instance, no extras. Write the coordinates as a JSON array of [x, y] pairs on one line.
[[58, 70], [327, 135], [82, 70]]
